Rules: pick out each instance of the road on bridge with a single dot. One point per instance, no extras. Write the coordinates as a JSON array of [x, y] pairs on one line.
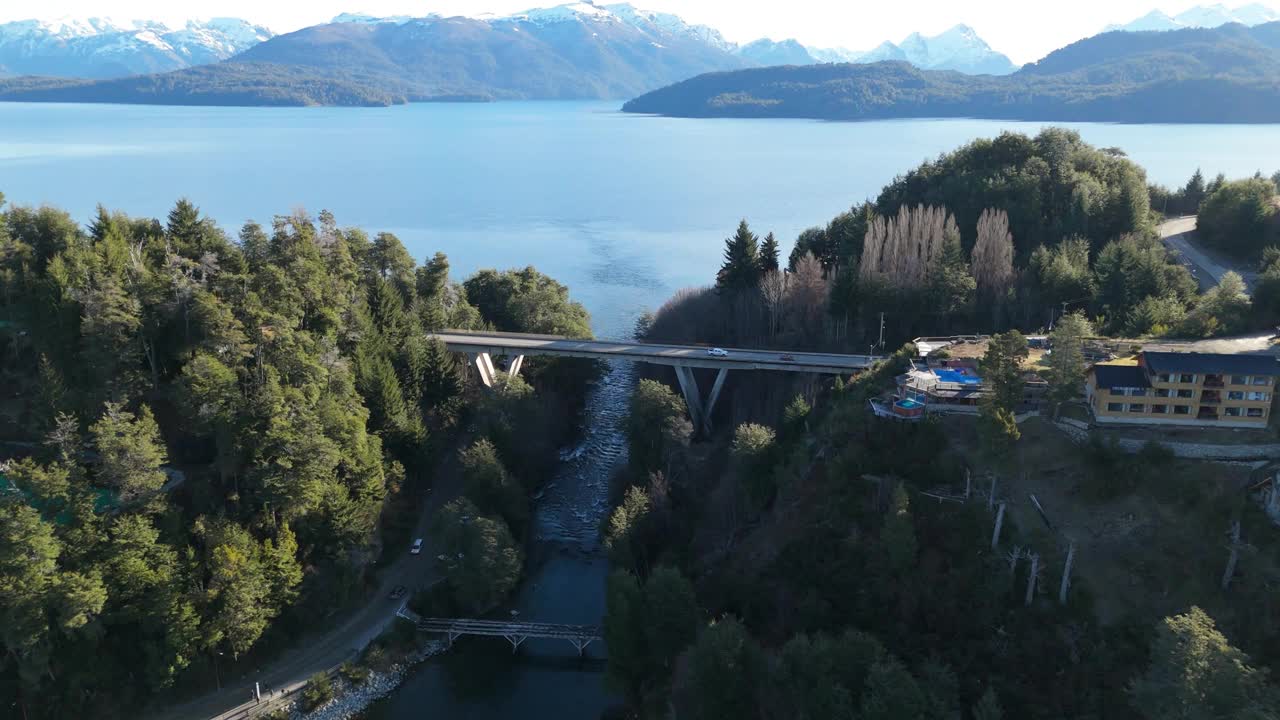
[[513, 344]]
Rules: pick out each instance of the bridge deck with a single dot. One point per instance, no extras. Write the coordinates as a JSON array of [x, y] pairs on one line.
[[515, 344], [580, 636]]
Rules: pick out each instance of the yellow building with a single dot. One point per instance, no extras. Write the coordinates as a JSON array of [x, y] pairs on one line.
[[1204, 389]]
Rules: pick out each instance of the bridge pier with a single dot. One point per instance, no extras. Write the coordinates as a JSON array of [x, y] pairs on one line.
[[489, 373], [699, 413]]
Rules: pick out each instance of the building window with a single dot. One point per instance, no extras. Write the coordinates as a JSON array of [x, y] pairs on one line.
[[1261, 380], [1137, 392], [1239, 379], [1115, 407], [1233, 411], [1160, 409], [1118, 392], [1181, 409], [1187, 379], [1137, 408], [1235, 394], [1186, 393], [1258, 396], [1162, 392], [1163, 377], [1257, 412]]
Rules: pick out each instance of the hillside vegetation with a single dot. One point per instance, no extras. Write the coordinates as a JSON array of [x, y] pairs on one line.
[[210, 444], [1228, 74], [419, 60]]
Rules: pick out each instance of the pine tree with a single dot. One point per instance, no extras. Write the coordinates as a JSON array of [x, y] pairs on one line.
[[1194, 192], [441, 383], [769, 254], [671, 614], [741, 268], [624, 631], [130, 452], [1066, 362], [898, 535]]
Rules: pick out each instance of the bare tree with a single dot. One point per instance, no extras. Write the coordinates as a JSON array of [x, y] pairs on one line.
[[992, 260], [773, 288], [807, 295], [901, 251]]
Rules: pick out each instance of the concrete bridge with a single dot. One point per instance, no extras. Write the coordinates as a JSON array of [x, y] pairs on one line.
[[482, 347]]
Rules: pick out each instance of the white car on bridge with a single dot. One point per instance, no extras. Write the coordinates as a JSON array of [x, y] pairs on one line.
[[718, 352]]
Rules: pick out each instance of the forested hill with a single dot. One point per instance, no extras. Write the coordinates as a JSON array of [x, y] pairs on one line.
[[1228, 74], [577, 54]]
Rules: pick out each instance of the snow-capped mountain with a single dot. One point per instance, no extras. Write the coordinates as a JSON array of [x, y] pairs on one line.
[[105, 48], [1201, 16], [958, 49], [768, 52], [835, 55]]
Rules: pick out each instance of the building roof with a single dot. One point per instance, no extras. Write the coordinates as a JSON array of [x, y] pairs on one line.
[[1113, 376], [1171, 362]]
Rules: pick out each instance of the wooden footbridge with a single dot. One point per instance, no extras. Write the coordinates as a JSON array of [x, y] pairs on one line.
[[514, 632]]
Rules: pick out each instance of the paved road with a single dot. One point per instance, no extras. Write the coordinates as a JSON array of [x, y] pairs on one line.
[[363, 625], [1179, 235], [512, 344]]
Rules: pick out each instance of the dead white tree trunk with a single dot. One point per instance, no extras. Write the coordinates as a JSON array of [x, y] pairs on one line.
[[1014, 557], [991, 498], [1031, 579], [1066, 575], [1233, 557], [968, 484], [995, 536]]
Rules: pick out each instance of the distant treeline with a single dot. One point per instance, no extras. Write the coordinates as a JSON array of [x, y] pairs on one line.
[[1224, 75]]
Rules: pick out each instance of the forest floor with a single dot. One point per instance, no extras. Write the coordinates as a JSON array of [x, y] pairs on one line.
[[1152, 550]]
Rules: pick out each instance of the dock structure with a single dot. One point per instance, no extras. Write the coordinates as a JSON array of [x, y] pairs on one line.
[[580, 636], [482, 347]]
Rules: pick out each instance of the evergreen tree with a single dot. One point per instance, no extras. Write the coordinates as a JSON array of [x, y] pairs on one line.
[[130, 452], [1066, 362], [624, 632], [741, 267], [892, 694], [657, 426], [1196, 674], [671, 614], [726, 668], [1194, 193], [1002, 369], [898, 534], [769, 254]]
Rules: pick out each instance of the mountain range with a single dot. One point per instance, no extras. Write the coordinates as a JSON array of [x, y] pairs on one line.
[[103, 48], [1227, 74], [1201, 16], [958, 49]]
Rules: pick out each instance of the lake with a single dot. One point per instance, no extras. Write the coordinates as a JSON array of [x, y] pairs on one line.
[[623, 209]]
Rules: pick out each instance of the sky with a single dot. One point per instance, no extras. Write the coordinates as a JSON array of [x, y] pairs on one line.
[[1025, 30]]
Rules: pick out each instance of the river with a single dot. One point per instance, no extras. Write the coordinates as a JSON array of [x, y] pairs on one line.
[[625, 210], [564, 584]]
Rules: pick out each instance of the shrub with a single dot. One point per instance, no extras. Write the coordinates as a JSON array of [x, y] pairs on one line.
[[355, 674], [317, 692]]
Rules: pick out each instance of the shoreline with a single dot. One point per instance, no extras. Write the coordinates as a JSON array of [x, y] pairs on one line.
[[351, 700]]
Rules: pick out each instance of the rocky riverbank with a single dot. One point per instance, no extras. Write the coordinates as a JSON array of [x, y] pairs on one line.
[[350, 699]]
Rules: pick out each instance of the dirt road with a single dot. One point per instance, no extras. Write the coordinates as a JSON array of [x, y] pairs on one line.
[[291, 670]]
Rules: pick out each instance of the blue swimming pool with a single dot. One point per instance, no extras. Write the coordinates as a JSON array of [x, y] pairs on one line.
[[959, 377], [909, 404]]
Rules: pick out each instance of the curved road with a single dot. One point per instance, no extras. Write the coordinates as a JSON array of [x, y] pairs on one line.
[[291, 671], [1179, 235]]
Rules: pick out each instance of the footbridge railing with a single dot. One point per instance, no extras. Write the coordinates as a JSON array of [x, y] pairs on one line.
[[580, 636]]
